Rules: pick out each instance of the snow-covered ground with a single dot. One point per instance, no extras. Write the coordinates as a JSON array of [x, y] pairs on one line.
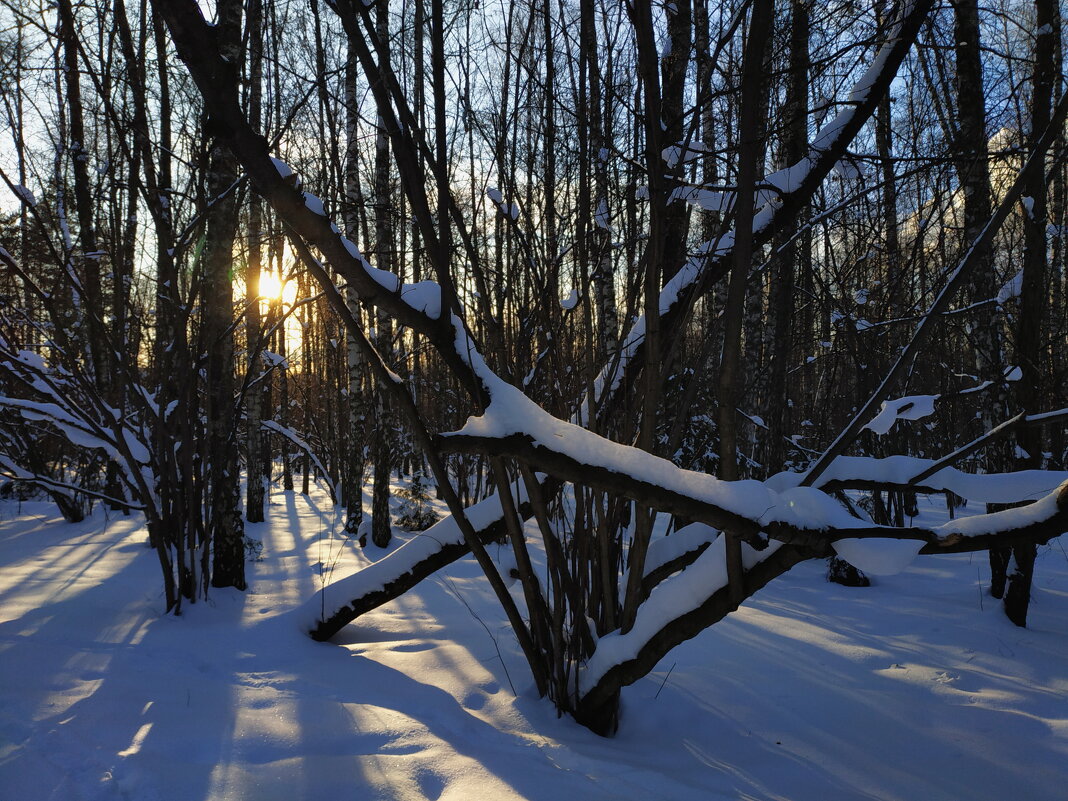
[[915, 688]]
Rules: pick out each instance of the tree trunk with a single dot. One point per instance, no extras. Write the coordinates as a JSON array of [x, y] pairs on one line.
[[225, 524], [255, 438], [1030, 319], [750, 159], [793, 253], [381, 525]]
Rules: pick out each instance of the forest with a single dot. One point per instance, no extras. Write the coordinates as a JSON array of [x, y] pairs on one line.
[[635, 306]]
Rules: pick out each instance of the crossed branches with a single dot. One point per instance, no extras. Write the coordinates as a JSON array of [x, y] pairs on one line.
[[781, 528]]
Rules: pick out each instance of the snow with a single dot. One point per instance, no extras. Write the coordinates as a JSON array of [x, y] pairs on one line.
[[778, 500], [296, 439], [284, 170], [32, 359], [686, 539], [848, 170], [272, 359], [913, 407], [314, 204], [878, 557], [384, 278], [601, 217], [423, 296], [673, 154], [707, 199], [136, 447], [508, 209], [1022, 485], [916, 687], [1017, 517], [25, 195], [1010, 289], [341, 591], [681, 593]]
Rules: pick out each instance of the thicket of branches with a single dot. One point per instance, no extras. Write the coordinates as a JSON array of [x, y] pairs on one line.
[[643, 244]]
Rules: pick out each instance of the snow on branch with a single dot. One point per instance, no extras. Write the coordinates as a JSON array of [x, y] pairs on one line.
[[72, 408], [515, 425], [864, 472], [681, 593], [918, 407], [345, 599], [785, 192], [688, 602], [912, 407], [955, 282], [296, 439]]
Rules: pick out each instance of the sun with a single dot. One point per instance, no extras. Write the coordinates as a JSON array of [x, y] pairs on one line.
[[271, 286]]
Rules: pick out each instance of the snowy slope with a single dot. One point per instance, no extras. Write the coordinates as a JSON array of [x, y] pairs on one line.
[[915, 688]]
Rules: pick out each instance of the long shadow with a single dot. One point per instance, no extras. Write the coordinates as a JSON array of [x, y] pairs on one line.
[[407, 625], [87, 675], [233, 700], [862, 706]]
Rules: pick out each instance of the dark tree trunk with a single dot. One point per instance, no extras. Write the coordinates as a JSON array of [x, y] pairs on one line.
[[1034, 296], [794, 253], [384, 446], [258, 457], [999, 566], [225, 524], [750, 159], [1021, 569]]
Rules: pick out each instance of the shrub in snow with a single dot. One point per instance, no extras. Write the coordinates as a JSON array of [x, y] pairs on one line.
[[253, 549], [414, 512], [19, 491], [841, 572]]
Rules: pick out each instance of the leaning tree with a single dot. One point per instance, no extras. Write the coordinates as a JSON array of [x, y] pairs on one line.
[[614, 599]]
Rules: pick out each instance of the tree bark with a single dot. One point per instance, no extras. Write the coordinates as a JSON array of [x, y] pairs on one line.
[[750, 159], [225, 524]]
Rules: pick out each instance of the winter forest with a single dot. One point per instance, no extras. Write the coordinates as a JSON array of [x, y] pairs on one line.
[[417, 399]]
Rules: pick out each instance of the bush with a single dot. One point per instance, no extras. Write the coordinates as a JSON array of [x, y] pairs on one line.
[[414, 512]]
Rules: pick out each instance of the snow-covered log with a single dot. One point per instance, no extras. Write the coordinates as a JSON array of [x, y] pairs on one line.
[[515, 425], [911, 473], [689, 602], [343, 600]]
